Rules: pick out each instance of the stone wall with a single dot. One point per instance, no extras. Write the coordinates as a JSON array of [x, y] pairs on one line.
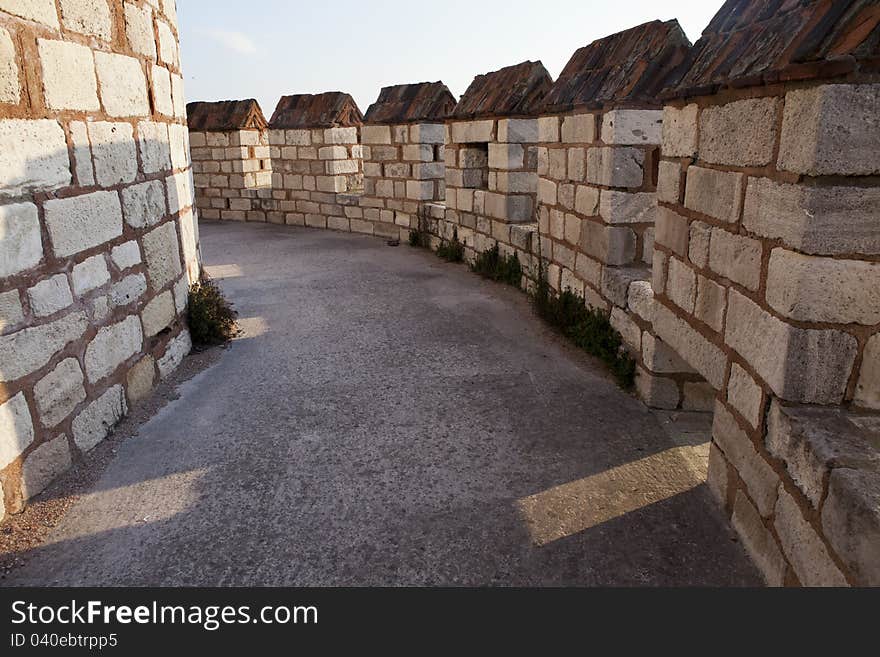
[[98, 239]]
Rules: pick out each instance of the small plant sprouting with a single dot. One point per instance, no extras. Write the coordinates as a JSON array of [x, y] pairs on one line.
[[211, 316], [451, 250], [504, 269]]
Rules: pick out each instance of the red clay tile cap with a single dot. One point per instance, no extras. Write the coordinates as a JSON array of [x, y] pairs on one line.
[[225, 115], [754, 42], [332, 109], [512, 91], [627, 68], [411, 103]]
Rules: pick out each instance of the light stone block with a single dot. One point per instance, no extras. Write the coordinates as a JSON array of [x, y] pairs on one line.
[[632, 127], [802, 365], [548, 129], [162, 255], [464, 132], [736, 258], [758, 541], [114, 152], [831, 130], [44, 464], [175, 352], [21, 246], [851, 521], [69, 81], [89, 17], [16, 429], [705, 357], [11, 311], [178, 138], [657, 391], [813, 289], [82, 222], [506, 156], [40, 11], [158, 314], [681, 285], [427, 133], [163, 100], [587, 200], [669, 182], [717, 194], [97, 420], [616, 166], [679, 133], [741, 133], [29, 349], [9, 84], [826, 220], [341, 135], [144, 203], [112, 346], [50, 295], [59, 392], [82, 153], [126, 255], [168, 47], [129, 290], [90, 274], [33, 156], [139, 380], [617, 207], [579, 129], [154, 145], [868, 386], [711, 302], [139, 30], [518, 131], [745, 395], [640, 300], [123, 85], [660, 357]]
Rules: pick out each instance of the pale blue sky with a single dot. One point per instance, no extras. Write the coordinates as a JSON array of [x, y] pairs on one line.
[[264, 49]]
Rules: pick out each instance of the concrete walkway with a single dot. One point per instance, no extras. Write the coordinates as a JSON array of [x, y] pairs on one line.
[[388, 418]]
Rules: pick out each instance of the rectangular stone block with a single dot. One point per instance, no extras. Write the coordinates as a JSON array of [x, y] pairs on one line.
[[717, 194], [114, 152], [21, 245], [669, 182], [44, 464], [82, 222], [705, 357], [59, 392], [681, 285], [803, 365], [506, 156], [851, 521], [736, 258], [741, 133], [33, 156], [69, 81], [616, 166], [672, 231], [612, 245], [162, 255], [711, 302], [518, 131], [464, 132], [632, 127], [679, 133], [27, 350], [428, 133], [758, 541], [548, 129], [112, 346], [50, 296], [579, 129], [123, 85], [618, 207], [99, 418]]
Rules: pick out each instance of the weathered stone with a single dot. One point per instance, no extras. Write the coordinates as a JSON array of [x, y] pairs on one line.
[[659, 357], [427, 133], [91, 17], [175, 352], [640, 299], [59, 392], [114, 152], [97, 420], [679, 133], [813, 289], [741, 133], [158, 313], [657, 391], [831, 129], [69, 81], [548, 129], [617, 207], [681, 285], [126, 255], [759, 478], [616, 167], [112, 346], [811, 441], [16, 429], [44, 464], [506, 156], [672, 231], [669, 182], [139, 30], [162, 255], [579, 129], [758, 541], [868, 387], [745, 395], [29, 349], [129, 290], [90, 274], [518, 131], [340, 135], [465, 132], [632, 127], [612, 245], [587, 200], [9, 84], [178, 138], [698, 397], [33, 156], [804, 365], [736, 258], [123, 85], [11, 311], [805, 551], [168, 48], [717, 194], [154, 146], [163, 99], [702, 355], [82, 222], [50, 295], [20, 244], [818, 220], [718, 477], [82, 153], [851, 522], [41, 11], [139, 380], [698, 249], [628, 329]]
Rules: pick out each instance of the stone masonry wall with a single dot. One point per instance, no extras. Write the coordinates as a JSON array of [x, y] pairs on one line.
[[766, 276], [98, 239], [227, 167]]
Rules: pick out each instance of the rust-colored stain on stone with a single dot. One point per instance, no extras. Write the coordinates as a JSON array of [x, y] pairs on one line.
[[225, 115], [753, 42], [627, 68], [333, 109], [411, 103], [512, 91]]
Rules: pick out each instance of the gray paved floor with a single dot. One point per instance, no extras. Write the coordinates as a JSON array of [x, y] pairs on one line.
[[388, 418]]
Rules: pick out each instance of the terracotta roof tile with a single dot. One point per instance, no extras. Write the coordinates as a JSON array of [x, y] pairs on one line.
[[512, 91], [409, 103], [627, 68], [332, 109], [752, 42], [225, 115]]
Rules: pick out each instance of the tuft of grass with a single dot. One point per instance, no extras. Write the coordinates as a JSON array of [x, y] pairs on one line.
[[504, 269], [211, 316], [588, 328], [451, 250]]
